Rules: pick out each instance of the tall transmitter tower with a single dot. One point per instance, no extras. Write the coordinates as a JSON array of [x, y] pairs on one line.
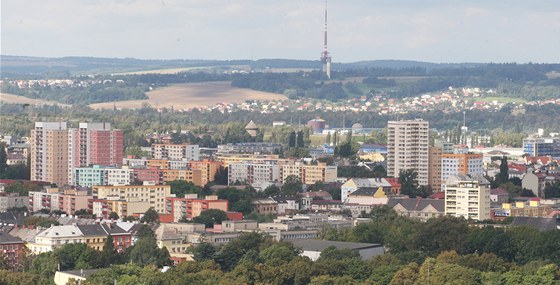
[[325, 55]]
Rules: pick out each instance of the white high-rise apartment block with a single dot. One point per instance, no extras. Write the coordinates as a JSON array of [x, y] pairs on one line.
[[407, 148], [251, 173], [468, 196], [175, 152]]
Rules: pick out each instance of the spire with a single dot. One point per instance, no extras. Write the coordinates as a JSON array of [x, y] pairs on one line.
[[325, 55]]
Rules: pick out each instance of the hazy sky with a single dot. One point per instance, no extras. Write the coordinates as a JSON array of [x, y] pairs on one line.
[[425, 30]]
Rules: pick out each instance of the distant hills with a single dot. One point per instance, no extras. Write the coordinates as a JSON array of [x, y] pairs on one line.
[[64, 66]]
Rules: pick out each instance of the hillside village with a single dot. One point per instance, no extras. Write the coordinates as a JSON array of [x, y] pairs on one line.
[[452, 100]]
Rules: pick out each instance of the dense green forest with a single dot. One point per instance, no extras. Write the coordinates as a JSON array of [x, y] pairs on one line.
[[443, 250]]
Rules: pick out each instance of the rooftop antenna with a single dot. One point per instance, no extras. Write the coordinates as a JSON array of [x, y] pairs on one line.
[[325, 55], [464, 127]]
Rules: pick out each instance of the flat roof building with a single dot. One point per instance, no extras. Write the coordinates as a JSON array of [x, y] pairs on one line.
[[407, 148]]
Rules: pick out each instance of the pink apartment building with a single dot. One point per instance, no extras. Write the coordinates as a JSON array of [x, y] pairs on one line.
[[93, 144]]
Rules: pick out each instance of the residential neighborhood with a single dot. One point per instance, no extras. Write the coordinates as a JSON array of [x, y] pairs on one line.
[[279, 142]]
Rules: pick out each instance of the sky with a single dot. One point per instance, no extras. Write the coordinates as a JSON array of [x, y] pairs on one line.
[[441, 31]]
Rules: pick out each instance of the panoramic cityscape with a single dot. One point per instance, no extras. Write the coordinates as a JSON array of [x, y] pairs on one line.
[[291, 142]]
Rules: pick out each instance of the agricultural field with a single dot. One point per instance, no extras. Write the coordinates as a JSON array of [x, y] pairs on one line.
[[183, 69], [15, 99], [157, 71], [193, 95]]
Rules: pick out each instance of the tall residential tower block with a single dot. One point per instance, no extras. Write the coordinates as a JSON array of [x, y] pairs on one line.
[[49, 152], [93, 144], [407, 148], [57, 151]]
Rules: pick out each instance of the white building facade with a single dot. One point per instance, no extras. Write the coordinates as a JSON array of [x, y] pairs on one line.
[[407, 148], [468, 196]]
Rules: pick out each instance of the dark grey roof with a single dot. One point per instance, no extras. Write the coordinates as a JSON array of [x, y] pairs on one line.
[[10, 219], [541, 224], [320, 245], [282, 199], [417, 204], [134, 229], [92, 230], [365, 191], [6, 229], [113, 229], [317, 194], [7, 238], [473, 177]]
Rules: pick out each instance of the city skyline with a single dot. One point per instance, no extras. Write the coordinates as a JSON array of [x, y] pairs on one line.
[[434, 31]]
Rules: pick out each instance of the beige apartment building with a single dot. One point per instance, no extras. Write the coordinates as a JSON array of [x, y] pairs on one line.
[[194, 176], [69, 200], [309, 174], [153, 194], [434, 178], [123, 208], [228, 159], [208, 169], [49, 152], [407, 148], [468, 196]]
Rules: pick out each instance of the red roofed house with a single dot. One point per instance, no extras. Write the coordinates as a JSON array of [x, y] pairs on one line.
[[395, 185], [438, 195], [544, 160]]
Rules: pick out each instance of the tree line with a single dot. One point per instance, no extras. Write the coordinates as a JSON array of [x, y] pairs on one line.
[[210, 128], [440, 251]]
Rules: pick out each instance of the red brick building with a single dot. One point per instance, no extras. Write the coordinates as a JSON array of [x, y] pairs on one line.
[[11, 249]]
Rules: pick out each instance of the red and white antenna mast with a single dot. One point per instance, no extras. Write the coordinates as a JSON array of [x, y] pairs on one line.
[[325, 55]]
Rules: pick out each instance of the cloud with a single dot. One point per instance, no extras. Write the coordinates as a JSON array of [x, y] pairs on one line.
[[431, 30]]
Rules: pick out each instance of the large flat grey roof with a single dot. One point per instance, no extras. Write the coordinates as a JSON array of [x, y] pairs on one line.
[[320, 245]]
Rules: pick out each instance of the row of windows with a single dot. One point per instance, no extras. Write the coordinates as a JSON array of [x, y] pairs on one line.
[[9, 247]]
